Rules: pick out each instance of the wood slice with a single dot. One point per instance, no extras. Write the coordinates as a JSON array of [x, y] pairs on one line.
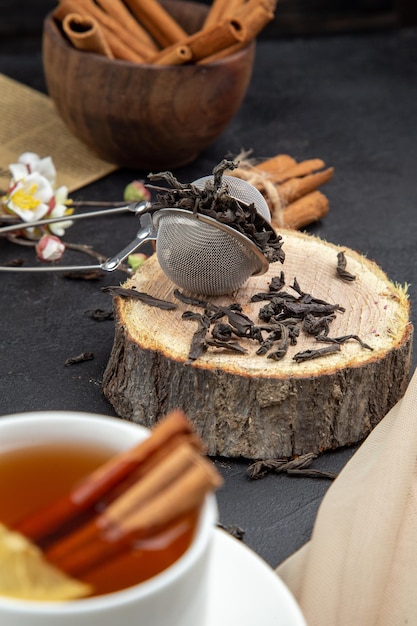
[[249, 405]]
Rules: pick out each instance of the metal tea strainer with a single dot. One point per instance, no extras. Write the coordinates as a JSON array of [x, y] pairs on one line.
[[198, 253]]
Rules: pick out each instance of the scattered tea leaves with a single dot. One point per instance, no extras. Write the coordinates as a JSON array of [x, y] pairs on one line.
[[139, 295], [298, 466], [307, 355], [90, 275], [343, 339], [341, 268], [80, 358], [236, 531], [101, 316], [233, 346]]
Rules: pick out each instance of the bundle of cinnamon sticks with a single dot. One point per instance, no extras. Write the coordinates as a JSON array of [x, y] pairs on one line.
[[137, 494], [290, 188], [143, 31]]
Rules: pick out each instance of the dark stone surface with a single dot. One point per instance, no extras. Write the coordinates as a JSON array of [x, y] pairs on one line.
[[349, 99]]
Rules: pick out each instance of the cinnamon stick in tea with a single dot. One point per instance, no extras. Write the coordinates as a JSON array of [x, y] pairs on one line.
[[154, 482], [157, 21], [155, 459], [86, 493], [85, 34], [161, 502]]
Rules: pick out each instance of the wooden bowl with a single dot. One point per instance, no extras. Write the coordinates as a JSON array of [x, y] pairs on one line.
[[140, 115]]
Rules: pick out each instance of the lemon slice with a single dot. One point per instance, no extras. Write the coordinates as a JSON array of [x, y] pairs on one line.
[[26, 574]]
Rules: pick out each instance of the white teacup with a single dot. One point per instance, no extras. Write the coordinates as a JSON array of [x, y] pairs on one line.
[[175, 596]]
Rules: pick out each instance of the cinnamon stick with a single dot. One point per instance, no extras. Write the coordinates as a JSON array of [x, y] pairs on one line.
[[159, 504], [309, 166], [306, 210], [85, 34], [157, 21], [86, 493], [120, 39], [276, 164], [117, 10], [146, 466], [161, 475], [220, 9], [207, 41], [174, 55], [221, 54], [294, 188], [253, 15]]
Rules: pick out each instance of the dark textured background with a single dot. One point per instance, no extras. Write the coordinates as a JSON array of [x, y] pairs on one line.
[[349, 97]]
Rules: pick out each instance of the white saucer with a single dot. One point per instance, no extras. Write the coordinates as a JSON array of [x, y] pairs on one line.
[[244, 590]]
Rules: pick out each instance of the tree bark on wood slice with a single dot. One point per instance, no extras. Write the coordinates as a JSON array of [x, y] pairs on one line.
[[245, 405]]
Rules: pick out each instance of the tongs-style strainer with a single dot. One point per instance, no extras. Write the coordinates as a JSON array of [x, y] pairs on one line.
[[197, 252]]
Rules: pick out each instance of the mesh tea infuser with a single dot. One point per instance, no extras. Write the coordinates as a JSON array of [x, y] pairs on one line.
[[197, 252]]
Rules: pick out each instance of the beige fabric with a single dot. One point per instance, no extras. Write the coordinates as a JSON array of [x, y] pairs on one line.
[[360, 566]]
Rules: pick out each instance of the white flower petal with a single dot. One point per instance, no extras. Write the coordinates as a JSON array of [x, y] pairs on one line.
[[30, 197], [60, 210], [44, 166], [18, 171], [47, 169], [61, 195], [29, 158]]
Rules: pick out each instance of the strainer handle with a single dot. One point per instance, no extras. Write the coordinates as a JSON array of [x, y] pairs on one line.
[[136, 207], [146, 233]]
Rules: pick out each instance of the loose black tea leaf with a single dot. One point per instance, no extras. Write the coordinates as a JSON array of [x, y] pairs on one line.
[[101, 316], [341, 268], [15, 263], [80, 358], [340, 340], [312, 473], [235, 531], [90, 275], [240, 322], [190, 300], [222, 332], [140, 295], [307, 355], [277, 282], [233, 346], [198, 341], [317, 325], [261, 468]]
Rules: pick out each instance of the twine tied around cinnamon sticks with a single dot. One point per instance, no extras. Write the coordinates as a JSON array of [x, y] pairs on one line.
[[290, 188], [143, 31]]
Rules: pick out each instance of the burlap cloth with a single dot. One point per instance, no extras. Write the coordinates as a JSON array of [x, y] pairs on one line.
[[360, 566]]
